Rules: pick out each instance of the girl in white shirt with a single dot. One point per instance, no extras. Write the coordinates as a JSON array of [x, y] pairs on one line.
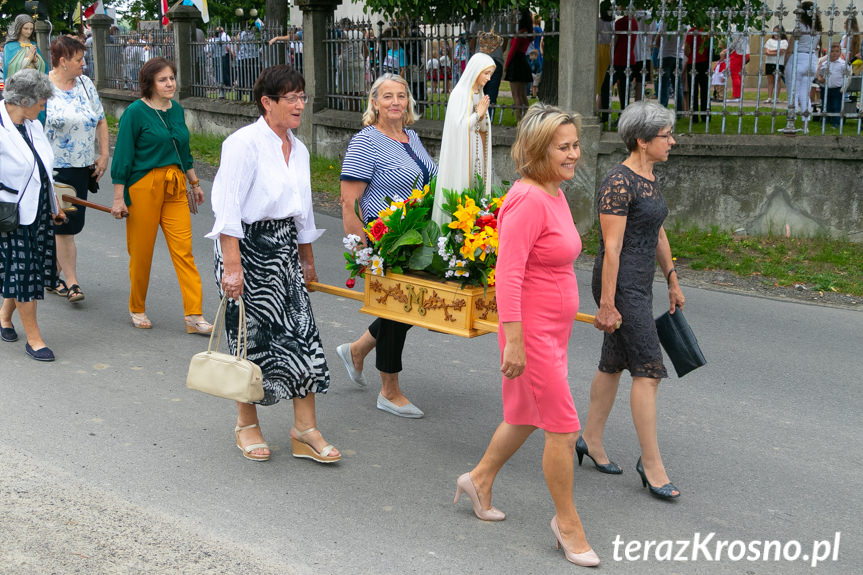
[[774, 56]]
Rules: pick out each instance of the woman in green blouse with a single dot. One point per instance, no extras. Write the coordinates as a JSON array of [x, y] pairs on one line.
[[150, 159]]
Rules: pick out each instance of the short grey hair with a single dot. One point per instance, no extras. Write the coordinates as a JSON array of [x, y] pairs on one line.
[[643, 121], [409, 117], [26, 87], [18, 23]]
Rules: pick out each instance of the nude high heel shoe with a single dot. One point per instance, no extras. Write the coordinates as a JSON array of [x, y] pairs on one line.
[[464, 484], [587, 559]]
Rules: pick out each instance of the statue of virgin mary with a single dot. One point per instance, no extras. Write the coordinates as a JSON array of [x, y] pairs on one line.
[[465, 152]]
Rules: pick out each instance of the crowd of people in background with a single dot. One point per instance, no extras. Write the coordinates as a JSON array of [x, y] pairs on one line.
[[684, 62]]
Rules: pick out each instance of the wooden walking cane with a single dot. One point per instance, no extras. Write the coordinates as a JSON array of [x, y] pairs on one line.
[[78, 201]]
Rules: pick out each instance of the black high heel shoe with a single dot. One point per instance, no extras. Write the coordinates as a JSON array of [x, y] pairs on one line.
[[664, 492], [581, 450]]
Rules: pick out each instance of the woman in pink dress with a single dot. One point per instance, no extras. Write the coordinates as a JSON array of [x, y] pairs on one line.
[[537, 299]]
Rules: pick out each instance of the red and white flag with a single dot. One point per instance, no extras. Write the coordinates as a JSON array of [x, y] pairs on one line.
[[97, 8], [165, 13]]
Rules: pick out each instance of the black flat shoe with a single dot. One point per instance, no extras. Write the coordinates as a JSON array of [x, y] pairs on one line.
[[664, 492], [8, 334], [43, 354], [61, 290], [581, 450]]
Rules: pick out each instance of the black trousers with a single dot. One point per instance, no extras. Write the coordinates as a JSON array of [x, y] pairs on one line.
[[390, 337], [700, 89]]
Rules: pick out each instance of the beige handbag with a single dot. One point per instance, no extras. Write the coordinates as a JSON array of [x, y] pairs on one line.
[[222, 374]]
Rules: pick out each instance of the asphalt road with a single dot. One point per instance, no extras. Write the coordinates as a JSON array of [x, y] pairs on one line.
[[110, 465]]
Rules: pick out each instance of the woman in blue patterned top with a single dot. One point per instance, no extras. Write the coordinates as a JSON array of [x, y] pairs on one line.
[[384, 159], [75, 120]]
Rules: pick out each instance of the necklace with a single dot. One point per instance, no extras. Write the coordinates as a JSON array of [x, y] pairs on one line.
[[150, 103]]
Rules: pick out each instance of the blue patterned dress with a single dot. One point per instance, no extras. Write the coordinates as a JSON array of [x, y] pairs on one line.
[[28, 256]]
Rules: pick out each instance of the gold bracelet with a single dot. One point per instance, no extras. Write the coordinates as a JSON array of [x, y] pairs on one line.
[[194, 183]]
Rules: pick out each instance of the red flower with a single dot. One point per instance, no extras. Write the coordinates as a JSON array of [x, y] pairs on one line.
[[350, 283], [377, 230], [487, 220]]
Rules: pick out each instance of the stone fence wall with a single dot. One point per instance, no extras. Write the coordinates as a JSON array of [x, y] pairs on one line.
[[758, 184]]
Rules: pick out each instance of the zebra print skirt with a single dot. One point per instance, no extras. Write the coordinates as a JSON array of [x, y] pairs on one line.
[[283, 337]]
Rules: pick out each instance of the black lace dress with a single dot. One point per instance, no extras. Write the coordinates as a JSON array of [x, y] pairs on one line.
[[635, 346]]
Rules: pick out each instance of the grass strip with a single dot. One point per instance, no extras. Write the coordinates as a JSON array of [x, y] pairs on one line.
[[820, 263]]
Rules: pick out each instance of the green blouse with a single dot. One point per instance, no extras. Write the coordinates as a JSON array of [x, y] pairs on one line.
[[144, 142]]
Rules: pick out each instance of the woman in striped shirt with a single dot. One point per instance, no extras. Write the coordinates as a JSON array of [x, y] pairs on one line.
[[385, 159]]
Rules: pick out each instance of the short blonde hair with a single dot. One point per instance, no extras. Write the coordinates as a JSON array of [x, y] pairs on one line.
[[535, 133], [370, 116]]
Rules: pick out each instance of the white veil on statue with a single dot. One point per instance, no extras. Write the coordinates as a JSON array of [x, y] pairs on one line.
[[455, 167]]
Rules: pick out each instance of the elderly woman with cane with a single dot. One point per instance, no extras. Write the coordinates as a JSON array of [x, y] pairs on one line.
[[264, 229], [631, 211], [537, 298], [27, 250]]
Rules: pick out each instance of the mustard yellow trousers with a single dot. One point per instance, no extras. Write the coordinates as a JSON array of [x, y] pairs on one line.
[[159, 200]]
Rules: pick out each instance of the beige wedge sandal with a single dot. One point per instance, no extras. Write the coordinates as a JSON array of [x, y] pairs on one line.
[[303, 450], [247, 450]]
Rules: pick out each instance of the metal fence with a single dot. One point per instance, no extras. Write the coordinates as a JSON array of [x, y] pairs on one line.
[[126, 53], [430, 57], [227, 61], [737, 70]]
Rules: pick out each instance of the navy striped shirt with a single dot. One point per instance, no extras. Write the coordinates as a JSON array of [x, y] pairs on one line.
[[389, 167]]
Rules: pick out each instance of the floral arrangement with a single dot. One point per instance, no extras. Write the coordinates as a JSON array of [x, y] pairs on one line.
[[468, 246], [403, 237]]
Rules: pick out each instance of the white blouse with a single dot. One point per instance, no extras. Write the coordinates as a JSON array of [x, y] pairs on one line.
[[254, 183]]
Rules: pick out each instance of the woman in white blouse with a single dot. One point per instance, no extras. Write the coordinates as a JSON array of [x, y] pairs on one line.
[[264, 228]]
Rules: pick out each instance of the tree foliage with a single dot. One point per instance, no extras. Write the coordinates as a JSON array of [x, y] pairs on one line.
[[439, 11], [222, 12], [434, 11], [702, 12], [59, 12]]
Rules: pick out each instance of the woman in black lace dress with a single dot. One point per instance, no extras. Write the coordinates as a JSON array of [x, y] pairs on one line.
[[631, 211]]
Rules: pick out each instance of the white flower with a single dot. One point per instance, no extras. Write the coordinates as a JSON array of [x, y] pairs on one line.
[[377, 265], [364, 256], [441, 248], [461, 272], [350, 242]]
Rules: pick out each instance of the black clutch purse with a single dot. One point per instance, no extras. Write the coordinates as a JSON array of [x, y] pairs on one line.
[[92, 181], [679, 342]]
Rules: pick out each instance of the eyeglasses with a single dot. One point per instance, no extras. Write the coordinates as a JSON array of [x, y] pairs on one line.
[[668, 136], [291, 98]]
